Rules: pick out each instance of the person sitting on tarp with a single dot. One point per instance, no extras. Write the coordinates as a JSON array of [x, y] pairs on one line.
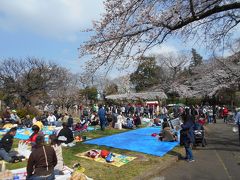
[[34, 135], [128, 124], [6, 116], [56, 145], [39, 123], [165, 123], [65, 135], [166, 133], [70, 121], [41, 161], [156, 122], [137, 120], [94, 120], [27, 122], [6, 146], [14, 117]]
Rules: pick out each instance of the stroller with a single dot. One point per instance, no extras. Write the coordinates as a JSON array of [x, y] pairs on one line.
[[199, 135]]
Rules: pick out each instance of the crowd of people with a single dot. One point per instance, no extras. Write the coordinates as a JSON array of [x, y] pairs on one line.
[[47, 161], [44, 161]]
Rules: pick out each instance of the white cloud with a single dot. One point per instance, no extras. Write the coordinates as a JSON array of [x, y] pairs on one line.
[[163, 49], [60, 19]]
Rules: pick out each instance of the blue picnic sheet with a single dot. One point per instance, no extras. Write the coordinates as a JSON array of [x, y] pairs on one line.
[[139, 140]]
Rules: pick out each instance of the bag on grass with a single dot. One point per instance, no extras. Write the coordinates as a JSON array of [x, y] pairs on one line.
[[109, 158], [93, 153], [104, 153]]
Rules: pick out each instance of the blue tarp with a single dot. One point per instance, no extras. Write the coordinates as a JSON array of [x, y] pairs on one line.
[[25, 133], [139, 140]]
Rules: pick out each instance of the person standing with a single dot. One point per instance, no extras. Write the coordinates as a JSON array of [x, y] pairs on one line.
[[6, 145], [41, 162], [237, 121], [210, 115], [214, 114], [188, 136], [102, 117], [225, 114]]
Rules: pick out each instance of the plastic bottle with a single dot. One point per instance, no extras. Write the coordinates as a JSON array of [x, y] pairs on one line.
[[16, 177]]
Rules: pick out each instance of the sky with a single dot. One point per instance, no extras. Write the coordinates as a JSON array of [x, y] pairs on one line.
[[47, 29], [51, 30]]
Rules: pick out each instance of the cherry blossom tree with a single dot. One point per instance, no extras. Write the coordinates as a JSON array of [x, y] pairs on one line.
[[129, 28]]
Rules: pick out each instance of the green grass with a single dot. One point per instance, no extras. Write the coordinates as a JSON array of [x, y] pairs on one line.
[[96, 170]]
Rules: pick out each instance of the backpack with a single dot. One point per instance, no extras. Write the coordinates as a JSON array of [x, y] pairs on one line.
[[104, 153]]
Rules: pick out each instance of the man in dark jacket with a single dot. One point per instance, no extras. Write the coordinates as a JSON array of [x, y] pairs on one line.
[[70, 121], [6, 145], [65, 135], [41, 161], [102, 117], [188, 136]]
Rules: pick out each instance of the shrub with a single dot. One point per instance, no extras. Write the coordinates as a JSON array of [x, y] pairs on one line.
[[27, 111]]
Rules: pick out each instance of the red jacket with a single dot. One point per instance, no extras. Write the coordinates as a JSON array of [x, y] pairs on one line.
[[32, 138], [225, 112]]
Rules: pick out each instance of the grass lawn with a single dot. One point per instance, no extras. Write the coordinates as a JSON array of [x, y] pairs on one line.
[[99, 171]]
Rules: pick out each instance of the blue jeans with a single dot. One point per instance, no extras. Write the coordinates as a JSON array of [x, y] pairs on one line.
[[102, 124], [189, 154], [7, 156], [48, 177], [52, 123], [210, 118]]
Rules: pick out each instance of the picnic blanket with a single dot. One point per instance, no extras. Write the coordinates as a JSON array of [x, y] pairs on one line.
[[119, 159], [24, 133], [139, 140], [22, 173]]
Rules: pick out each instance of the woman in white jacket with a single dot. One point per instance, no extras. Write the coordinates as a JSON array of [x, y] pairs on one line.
[[120, 120], [56, 145]]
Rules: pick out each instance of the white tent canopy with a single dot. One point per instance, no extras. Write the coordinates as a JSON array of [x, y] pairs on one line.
[[141, 95]]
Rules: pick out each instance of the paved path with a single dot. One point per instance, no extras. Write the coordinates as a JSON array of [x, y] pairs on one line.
[[219, 160]]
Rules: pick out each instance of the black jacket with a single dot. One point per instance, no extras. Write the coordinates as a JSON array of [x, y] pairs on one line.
[[6, 142], [67, 133], [70, 122]]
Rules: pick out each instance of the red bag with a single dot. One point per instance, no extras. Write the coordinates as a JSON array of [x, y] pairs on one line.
[[154, 134], [104, 153]]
